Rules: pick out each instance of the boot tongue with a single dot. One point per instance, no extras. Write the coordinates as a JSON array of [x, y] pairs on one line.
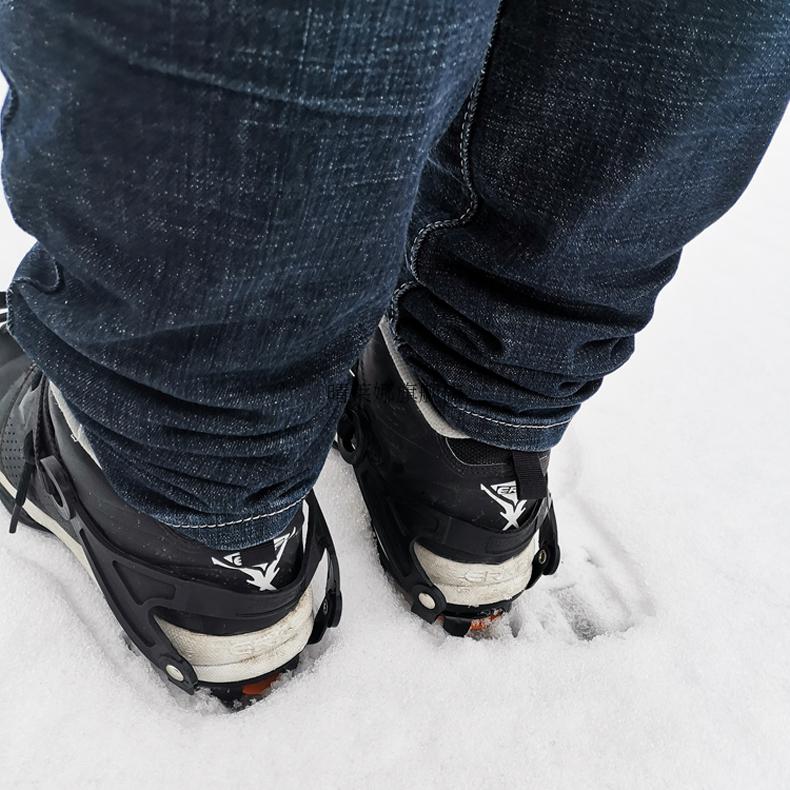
[[470, 451], [529, 469]]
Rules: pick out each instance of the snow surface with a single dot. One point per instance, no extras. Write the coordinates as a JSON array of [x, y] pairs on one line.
[[656, 657]]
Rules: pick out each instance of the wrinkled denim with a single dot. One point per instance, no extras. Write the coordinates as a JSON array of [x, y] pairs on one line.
[[603, 137], [226, 195]]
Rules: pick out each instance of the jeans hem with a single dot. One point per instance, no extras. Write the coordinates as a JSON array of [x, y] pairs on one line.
[[527, 435], [235, 522], [239, 535]]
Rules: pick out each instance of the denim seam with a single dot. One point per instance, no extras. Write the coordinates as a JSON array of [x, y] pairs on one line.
[[396, 308], [466, 172], [9, 323], [399, 345], [232, 523], [507, 424], [470, 115], [466, 175], [43, 287]]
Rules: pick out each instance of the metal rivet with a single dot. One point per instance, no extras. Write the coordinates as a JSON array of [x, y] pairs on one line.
[[542, 557], [174, 673], [426, 600]]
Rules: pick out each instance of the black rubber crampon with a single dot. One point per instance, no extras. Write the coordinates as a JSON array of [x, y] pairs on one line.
[[399, 523], [137, 590]]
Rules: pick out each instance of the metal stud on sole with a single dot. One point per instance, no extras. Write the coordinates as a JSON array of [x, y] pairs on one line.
[[237, 696]]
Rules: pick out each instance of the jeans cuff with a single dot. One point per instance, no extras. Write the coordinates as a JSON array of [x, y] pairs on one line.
[[240, 533], [526, 433]]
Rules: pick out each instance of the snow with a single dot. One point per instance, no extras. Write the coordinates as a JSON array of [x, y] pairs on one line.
[[656, 657]]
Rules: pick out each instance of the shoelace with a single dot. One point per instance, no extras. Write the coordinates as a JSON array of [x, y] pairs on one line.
[[24, 482]]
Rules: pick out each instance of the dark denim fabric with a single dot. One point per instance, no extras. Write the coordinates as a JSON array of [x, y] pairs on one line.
[[221, 194], [604, 137]]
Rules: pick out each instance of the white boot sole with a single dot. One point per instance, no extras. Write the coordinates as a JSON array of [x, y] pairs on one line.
[[476, 584]]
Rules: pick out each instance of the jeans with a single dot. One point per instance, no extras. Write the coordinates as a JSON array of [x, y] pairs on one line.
[[227, 197]]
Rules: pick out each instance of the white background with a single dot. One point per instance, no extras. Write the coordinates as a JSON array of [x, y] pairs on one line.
[[657, 656]]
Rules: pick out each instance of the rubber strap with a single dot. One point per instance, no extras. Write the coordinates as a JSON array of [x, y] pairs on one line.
[[532, 483]]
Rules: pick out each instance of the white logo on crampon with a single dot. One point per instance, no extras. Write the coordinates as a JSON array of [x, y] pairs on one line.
[[262, 574], [506, 496]]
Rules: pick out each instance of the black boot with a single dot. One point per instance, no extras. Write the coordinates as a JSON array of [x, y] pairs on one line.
[[463, 527], [225, 620]]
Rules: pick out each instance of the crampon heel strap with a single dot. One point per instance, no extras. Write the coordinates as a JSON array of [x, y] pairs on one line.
[[547, 557]]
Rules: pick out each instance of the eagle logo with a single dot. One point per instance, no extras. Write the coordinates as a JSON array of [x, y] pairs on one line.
[[506, 496], [262, 574]]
